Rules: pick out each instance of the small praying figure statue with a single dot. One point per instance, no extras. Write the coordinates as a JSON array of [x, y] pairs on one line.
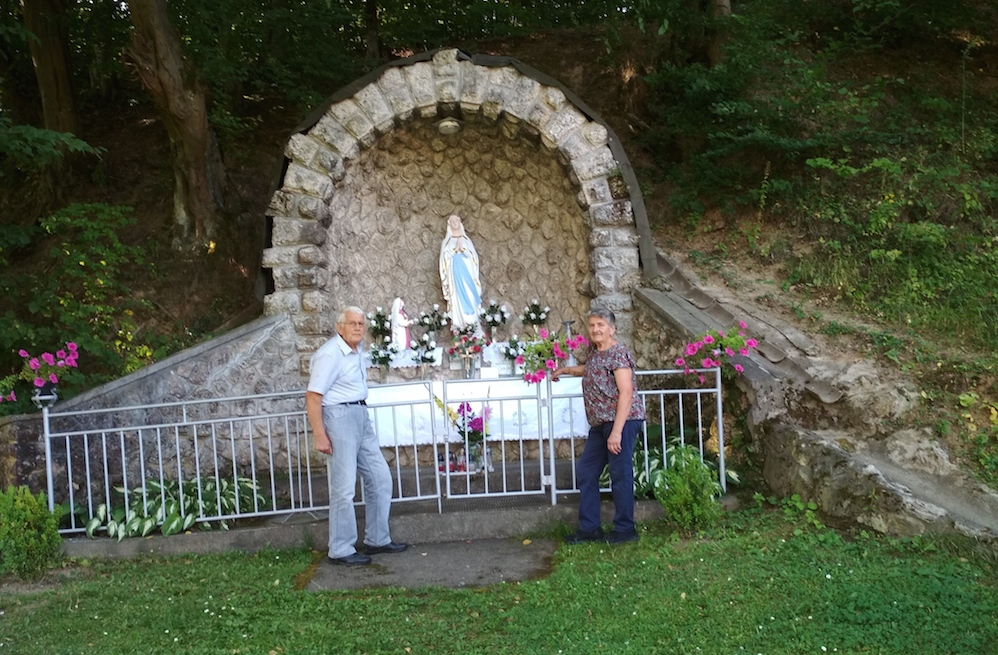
[[459, 275], [400, 325]]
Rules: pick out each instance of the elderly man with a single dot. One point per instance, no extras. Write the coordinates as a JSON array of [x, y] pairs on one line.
[[336, 402]]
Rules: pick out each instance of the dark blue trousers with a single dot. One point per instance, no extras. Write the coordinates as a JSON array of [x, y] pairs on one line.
[[587, 471]]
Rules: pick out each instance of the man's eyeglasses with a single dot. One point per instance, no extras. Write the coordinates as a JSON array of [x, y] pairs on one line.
[[353, 323]]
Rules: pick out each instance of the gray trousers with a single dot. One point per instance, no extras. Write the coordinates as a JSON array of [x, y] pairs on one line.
[[355, 450]]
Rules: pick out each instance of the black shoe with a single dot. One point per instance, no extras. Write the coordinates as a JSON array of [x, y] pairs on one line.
[[581, 537], [390, 547], [355, 559], [616, 538]]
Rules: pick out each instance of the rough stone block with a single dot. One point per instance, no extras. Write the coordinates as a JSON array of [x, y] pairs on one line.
[[316, 302], [280, 256], [282, 302], [420, 80], [306, 324], [397, 94], [344, 110], [285, 278], [553, 97], [612, 213], [309, 207], [604, 282], [562, 122], [596, 134], [376, 107], [307, 181], [614, 258], [447, 74], [332, 133], [474, 82], [309, 343], [615, 302], [495, 98], [307, 278], [599, 163], [292, 231], [596, 191], [522, 96], [574, 146], [331, 163], [301, 149], [282, 203], [310, 256], [600, 237]]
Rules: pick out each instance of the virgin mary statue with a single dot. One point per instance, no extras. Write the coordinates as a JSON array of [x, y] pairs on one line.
[[459, 275]]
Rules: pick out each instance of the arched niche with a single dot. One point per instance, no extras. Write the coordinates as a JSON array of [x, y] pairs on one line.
[[543, 187]]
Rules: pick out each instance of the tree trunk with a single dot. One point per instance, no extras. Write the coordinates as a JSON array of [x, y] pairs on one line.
[[717, 36], [45, 19], [157, 56], [371, 29]]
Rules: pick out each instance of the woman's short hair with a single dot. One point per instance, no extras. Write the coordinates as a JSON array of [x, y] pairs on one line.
[[604, 314]]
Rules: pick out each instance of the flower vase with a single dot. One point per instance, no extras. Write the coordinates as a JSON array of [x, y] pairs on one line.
[[383, 370], [468, 363], [479, 460]]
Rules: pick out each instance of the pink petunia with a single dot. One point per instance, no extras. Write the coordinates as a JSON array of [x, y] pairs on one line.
[[680, 361], [558, 352], [519, 360], [543, 333], [721, 334], [23, 353], [742, 324], [708, 339], [707, 362], [71, 361], [702, 379], [751, 343], [38, 382], [729, 352], [71, 347], [53, 378], [60, 354], [550, 365], [34, 364], [48, 358], [691, 349], [739, 368], [12, 397], [744, 352]]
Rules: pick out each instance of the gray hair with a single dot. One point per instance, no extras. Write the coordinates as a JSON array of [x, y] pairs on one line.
[[603, 313], [341, 318]]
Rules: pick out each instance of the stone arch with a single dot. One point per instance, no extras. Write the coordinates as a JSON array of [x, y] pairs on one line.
[[546, 191]]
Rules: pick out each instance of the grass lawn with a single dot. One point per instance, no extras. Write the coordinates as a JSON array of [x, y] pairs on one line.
[[762, 582]]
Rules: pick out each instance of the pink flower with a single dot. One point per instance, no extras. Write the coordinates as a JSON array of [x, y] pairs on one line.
[[729, 352], [743, 352], [691, 349], [519, 360], [48, 359], [23, 353], [550, 365], [702, 379], [751, 343], [543, 333], [11, 396], [739, 368], [71, 347], [742, 325], [558, 352], [53, 378], [39, 382], [680, 361], [60, 354], [707, 362], [71, 360], [34, 364], [720, 334], [708, 339]]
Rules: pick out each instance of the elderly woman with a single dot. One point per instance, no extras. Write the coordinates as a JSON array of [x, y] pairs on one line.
[[615, 412]]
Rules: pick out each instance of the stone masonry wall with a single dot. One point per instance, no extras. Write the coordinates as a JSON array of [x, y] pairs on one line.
[[364, 201]]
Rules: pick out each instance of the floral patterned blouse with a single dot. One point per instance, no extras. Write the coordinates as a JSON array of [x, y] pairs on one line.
[[599, 387]]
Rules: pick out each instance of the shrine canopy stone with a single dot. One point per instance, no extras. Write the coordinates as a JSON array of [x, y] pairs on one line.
[[542, 185]]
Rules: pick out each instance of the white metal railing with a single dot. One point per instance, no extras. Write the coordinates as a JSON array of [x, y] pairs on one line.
[[252, 456]]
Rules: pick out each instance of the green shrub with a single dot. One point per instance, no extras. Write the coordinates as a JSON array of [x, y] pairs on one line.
[[29, 536], [688, 491]]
